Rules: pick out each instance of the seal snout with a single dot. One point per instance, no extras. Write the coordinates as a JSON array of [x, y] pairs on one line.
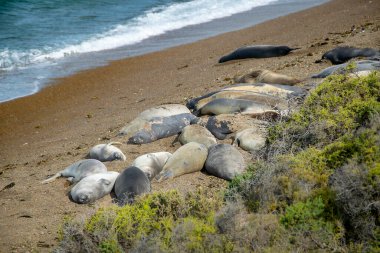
[[83, 199]]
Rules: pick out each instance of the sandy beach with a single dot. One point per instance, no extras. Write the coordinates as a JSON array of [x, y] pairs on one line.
[[43, 133]]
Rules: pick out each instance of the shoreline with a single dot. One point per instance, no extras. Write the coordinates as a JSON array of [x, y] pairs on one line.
[[67, 66], [42, 133]]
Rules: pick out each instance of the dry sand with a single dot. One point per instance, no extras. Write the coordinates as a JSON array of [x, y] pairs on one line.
[[45, 132]]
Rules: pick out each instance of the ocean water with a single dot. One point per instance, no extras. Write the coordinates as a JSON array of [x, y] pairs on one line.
[[45, 39]]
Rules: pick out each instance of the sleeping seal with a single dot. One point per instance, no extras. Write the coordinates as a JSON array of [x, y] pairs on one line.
[[259, 92], [256, 97], [107, 152], [266, 76], [197, 133], [151, 164], [228, 106], [93, 187], [130, 183], [160, 127], [222, 125], [224, 161], [257, 51], [341, 55], [79, 170], [341, 68], [251, 139], [187, 159], [156, 112]]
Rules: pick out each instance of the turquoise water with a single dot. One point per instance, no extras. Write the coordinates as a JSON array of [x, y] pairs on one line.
[[45, 39]]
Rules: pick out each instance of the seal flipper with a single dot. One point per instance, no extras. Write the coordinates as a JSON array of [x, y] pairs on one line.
[[165, 175], [51, 179]]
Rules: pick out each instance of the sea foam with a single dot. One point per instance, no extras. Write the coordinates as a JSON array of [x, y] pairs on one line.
[[153, 22]]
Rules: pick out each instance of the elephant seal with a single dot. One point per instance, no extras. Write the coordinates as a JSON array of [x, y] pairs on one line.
[[251, 139], [222, 125], [259, 98], [130, 183], [266, 76], [156, 112], [225, 161], [79, 170], [93, 187], [151, 164], [161, 127], [228, 106], [107, 152], [341, 55], [341, 68], [187, 159], [257, 51], [197, 133], [262, 91]]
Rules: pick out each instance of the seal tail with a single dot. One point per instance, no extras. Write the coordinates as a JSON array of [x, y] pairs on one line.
[[51, 179], [294, 48]]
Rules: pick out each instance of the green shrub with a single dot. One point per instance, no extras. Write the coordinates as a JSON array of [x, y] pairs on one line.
[[337, 106]]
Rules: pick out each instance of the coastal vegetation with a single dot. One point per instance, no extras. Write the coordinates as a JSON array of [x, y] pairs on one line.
[[315, 187]]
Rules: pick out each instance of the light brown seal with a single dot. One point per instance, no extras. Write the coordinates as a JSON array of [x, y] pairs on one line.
[[251, 139], [187, 159], [197, 133], [266, 76]]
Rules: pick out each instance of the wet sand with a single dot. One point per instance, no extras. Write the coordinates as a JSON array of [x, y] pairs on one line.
[[43, 133]]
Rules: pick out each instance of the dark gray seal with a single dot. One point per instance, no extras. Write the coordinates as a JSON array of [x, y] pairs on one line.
[[258, 51], [93, 187], [341, 68], [161, 127], [130, 183], [79, 170], [341, 55], [149, 114], [224, 161]]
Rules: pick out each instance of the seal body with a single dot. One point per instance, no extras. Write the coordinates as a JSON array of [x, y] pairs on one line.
[[222, 125], [130, 183], [161, 127], [224, 161], [150, 114], [152, 164], [197, 133], [251, 139], [228, 106], [187, 159], [107, 152], [93, 187], [79, 170], [268, 94], [341, 55], [266, 76], [258, 51], [341, 68]]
